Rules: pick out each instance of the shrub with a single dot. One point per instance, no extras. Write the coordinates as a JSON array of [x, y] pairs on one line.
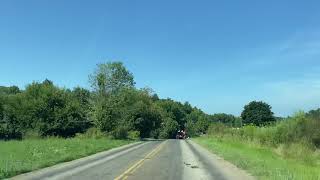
[[134, 135], [217, 128], [155, 133], [120, 132], [91, 133], [296, 129], [169, 128], [249, 132]]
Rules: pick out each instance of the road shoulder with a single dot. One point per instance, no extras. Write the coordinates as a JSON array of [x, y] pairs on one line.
[[225, 169], [73, 165]]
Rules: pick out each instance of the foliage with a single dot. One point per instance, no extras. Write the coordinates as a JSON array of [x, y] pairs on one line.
[[120, 132], [91, 133], [169, 128], [1, 107], [9, 90], [11, 127], [227, 119], [128, 107], [111, 77], [56, 112], [217, 129], [105, 113], [257, 113], [297, 129], [45, 110], [133, 135], [314, 114], [197, 122], [114, 107], [173, 110]]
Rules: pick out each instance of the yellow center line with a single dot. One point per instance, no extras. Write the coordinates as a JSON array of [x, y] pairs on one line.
[[138, 164]]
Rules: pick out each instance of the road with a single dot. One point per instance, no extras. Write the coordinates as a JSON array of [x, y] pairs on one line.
[[158, 160]]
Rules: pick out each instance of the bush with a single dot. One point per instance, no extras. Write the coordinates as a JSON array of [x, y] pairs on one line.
[[134, 135], [120, 132], [12, 123], [94, 133], [217, 128], [169, 128], [296, 129], [155, 133]]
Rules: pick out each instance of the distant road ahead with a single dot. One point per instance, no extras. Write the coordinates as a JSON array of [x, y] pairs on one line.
[[159, 160]]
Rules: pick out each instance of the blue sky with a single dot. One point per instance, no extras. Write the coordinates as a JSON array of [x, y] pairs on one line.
[[218, 55]]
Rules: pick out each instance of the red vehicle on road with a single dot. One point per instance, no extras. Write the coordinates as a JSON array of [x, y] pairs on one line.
[[181, 134]]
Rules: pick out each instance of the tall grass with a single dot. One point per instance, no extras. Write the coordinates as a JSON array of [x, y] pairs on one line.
[[297, 137], [292, 140], [260, 161], [297, 129], [22, 156]]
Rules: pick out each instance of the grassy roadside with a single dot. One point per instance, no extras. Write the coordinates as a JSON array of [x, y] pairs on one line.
[[18, 157], [261, 162]]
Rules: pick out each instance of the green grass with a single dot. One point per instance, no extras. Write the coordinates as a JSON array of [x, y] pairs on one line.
[[18, 157], [262, 162]]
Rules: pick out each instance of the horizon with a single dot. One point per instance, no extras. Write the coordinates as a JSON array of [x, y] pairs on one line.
[[218, 58]]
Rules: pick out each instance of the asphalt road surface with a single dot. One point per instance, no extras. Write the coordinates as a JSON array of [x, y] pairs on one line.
[[158, 160]]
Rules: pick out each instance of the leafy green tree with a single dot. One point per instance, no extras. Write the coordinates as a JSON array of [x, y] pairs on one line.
[[187, 108], [155, 97], [55, 111], [191, 128], [169, 128], [9, 90], [226, 119], [197, 122], [129, 109], [111, 77], [82, 96], [237, 122], [12, 123], [174, 110], [314, 114], [257, 113], [106, 113]]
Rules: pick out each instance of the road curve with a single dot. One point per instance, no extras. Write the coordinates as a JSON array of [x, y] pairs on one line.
[[152, 160]]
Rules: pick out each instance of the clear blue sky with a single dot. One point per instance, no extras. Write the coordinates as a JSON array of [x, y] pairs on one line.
[[218, 55]]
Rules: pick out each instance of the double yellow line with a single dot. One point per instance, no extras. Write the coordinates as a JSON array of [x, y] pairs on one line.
[[138, 164]]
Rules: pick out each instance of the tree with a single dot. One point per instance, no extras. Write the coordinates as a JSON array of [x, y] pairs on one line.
[[111, 77], [257, 113], [169, 128], [83, 97], [174, 110], [106, 113], [314, 114], [54, 111], [1, 107], [197, 122], [129, 109], [12, 124], [226, 119], [9, 90]]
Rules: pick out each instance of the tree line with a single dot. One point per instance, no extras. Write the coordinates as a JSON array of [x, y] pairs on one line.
[[113, 106]]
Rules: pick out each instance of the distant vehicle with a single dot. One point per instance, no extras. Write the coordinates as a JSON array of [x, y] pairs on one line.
[[181, 135]]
